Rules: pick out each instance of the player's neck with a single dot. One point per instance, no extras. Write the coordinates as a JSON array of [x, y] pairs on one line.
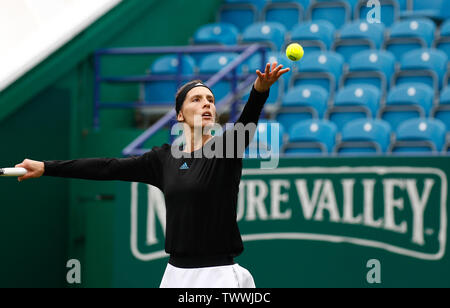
[[197, 140]]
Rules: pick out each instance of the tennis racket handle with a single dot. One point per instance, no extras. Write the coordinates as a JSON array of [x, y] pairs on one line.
[[13, 171]]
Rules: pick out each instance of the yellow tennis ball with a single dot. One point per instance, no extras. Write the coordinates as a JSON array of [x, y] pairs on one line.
[[294, 51]]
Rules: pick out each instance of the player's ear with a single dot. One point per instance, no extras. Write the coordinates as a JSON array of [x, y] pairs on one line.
[[180, 117]]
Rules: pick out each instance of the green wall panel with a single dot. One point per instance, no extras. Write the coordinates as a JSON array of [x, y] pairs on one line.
[[34, 220]]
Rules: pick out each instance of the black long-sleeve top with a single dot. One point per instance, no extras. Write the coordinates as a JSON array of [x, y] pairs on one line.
[[201, 201]]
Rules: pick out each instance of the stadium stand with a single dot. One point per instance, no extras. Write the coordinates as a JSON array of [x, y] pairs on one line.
[[442, 41], [353, 102], [389, 11], [314, 35], [355, 75], [241, 13], [374, 67], [319, 68], [406, 35], [161, 92], [420, 8], [302, 103], [311, 137], [271, 34], [404, 5], [217, 33], [337, 12], [427, 66], [416, 136], [364, 136], [442, 110], [268, 139], [288, 13], [407, 101], [357, 36], [212, 64], [214, 34]]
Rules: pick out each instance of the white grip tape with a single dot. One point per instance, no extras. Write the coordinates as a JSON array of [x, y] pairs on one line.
[[13, 171]]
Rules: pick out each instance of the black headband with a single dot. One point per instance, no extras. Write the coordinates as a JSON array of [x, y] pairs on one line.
[[182, 96]]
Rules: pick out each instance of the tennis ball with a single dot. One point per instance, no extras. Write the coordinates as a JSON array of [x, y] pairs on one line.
[[294, 51]]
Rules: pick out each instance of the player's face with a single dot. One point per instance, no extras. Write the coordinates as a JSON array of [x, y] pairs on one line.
[[198, 108]]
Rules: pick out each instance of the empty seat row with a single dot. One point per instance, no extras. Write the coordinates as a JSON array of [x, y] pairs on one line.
[[428, 66], [321, 35], [414, 135], [363, 101], [243, 13], [358, 137]]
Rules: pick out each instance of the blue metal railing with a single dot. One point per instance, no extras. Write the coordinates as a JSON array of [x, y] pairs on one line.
[[134, 148]]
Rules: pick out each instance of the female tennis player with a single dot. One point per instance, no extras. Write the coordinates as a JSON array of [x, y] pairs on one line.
[[202, 235]]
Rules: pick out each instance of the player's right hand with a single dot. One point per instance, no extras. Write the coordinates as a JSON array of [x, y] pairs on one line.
[[269, 77], [35, 169]]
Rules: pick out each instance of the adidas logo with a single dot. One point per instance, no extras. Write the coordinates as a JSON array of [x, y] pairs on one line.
[[184, 167]]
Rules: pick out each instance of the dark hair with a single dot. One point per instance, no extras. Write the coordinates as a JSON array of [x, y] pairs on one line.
[[183, 90], [186, 85]]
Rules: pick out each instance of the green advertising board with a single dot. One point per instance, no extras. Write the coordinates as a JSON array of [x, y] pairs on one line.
[[323, 222]]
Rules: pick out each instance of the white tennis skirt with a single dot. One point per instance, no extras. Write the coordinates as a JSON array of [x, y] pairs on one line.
[[225, 276]]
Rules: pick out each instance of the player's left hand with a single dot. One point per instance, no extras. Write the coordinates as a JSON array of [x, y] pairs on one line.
[[269, 77]]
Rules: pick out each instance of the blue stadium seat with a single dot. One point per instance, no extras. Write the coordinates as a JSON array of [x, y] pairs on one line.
[[389, 11], [217, 33], [336, 12], [161, 92], [445, 29], [259, 4], [320, 68], [422, 65], [416, 136], [304, 3], [288, 13], [354, 102], [269, 33], [357, 36], [443, 41], [407, 35], [404, 5], [212, 34], [407, 101], [267, 140], [302, 103], [364, 136], [370, 67], [315, 35], [241, 13], [310, 137], [425, 8], [442, 110], [212, 64]]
